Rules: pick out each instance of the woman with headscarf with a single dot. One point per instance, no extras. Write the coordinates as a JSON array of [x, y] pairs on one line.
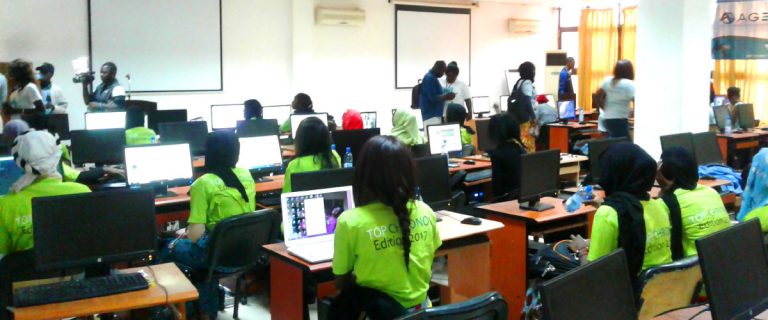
[[405, 128], [695, 211], [38, 155], [455, 113], [629, 218], [505, 158], [13, 129], [522, 111], [754, 200], [352, 120], [135, 132]]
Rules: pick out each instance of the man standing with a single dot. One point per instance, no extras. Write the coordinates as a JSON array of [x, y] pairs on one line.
[[53, 96], [565, 91], [431, 96], [458, 87], [109, 95]]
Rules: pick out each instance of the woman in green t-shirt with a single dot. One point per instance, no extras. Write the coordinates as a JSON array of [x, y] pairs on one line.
[[455, 113], [313, 150], [222, 192], [629, 218], [387, 243]]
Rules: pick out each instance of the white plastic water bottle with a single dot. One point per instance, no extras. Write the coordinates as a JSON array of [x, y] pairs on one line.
[[574, 202], [728, 127], [444, 150], [348, 158], [581, 115]]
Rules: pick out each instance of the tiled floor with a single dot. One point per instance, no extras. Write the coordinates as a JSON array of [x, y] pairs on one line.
[[258, 309]]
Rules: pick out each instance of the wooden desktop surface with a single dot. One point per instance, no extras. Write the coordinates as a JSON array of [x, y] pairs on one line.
[[696, 313], [479, 165], [182, 197], [179, 289], [512, 209], [574, 125]]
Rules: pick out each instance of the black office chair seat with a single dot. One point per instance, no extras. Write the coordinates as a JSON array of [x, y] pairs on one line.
[[490, 306]]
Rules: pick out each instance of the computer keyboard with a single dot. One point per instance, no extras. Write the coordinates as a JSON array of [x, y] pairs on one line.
[[79, 289], [478, 175], [269, 199]]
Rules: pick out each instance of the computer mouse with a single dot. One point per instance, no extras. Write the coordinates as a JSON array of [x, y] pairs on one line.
[[469, 161], [475, 221]]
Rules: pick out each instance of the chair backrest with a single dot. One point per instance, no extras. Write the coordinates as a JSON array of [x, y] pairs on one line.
[[236, 242], [668, 287], [490, 306]]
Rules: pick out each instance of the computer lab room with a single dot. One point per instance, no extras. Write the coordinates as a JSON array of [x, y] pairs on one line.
[[384, 159]]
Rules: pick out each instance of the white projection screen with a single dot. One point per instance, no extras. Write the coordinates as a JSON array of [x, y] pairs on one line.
[[167, 45], [426, 34]]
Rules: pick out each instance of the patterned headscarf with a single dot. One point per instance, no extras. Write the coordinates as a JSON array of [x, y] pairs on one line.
[[38, 155]]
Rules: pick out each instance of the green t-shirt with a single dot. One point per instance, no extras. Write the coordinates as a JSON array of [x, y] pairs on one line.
[[605, 233], [212, 201], [305, 164], [703, 214], [466, 137], [759, 213], [68, 173], [139, 136], [16, 212], [286, 126], [367, 241]]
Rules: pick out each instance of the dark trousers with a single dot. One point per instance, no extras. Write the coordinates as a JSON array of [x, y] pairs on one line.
[[617, 128]]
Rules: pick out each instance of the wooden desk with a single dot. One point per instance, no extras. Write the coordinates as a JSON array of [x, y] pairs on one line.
[[734, 142], [466, 246], [479, 165], [179, 289], [698, 312], [510, 245], [570, 166], [560, 134]]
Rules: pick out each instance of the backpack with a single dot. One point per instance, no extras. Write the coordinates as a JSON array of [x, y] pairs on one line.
[[519, 106], [549, 262], [415, 92]]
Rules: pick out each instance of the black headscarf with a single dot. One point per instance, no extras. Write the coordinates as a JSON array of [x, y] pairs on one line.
[[628, 175], [221, 155], [678, 165], [455, 113], [252, 109]]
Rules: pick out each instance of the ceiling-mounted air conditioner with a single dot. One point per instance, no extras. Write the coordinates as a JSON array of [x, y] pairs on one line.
[[340, 17], [523, 26]]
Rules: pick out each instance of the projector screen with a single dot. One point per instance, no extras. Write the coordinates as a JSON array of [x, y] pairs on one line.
[[169, 45], [426, 34]]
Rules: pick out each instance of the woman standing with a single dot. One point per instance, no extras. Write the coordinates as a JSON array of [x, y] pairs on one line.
[[618, 91], [522, 111], [25, 97]]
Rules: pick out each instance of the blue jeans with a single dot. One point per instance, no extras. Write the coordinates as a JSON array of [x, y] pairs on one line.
[[186, 255]]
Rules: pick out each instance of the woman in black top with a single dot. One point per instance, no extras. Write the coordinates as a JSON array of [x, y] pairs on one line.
[[506, 158]]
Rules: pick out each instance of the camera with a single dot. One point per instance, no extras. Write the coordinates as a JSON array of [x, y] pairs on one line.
[[84, 77]]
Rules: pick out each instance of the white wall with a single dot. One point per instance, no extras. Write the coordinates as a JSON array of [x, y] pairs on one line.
[[273, 49]]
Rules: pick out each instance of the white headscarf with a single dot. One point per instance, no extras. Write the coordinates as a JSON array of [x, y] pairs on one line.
[[38, 155]]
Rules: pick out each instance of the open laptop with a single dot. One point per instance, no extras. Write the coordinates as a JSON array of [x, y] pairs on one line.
[[309, 219]]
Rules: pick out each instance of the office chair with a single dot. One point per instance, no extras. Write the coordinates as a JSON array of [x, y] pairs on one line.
[[490, 306], [668, 287], [18, 266], [235, 244]]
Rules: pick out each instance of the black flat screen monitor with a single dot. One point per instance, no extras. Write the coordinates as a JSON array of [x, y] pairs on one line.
[[485, 142], [102, 147], [354, 139], [684, 140], [707, 149], [257, 128], [539, 177], [746, 115], [433, 179], [194, 132], [602, 287], [155, 118], [735, 269], [93, 229], [322, 179], [721, 116], [596, 149], [54, 123]]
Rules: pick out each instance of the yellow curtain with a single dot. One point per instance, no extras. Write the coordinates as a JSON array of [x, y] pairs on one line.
[[749, 75], [598, 51], [628, 35]]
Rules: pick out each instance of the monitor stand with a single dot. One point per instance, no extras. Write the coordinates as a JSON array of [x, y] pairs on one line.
[[98, 270], [161, 191], [536, 205]]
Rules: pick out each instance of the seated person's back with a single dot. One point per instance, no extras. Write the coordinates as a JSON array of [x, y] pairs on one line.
[[505, 159], [313, 150], [701, 210], [40, 154], [754, 200], [405, 127]]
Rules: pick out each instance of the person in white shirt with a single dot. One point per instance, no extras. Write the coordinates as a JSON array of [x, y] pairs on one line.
[[109, 95], [618, 91], [25, 97], [451, 83], [53, 96]]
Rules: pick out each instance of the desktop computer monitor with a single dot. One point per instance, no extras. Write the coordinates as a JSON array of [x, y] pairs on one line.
[[444, 138], [433, 179], [322, 179], [155, 118], [279, 113], [503, 103], [354, 139], [735, 269], [481, 105], [539, 177], [9, 173], [566, 110], [160, 166], [54, 123], [746, 115], [706, 149], [104, 120], [225, 116], [596, 149], [721, 114], [684, 140], [93, 229], [485, 142], [101, 147], [310, 216], [194, 133], [261, 155], [296, 120], [257, 128], [719, 101], [602, 287], [369, 119]]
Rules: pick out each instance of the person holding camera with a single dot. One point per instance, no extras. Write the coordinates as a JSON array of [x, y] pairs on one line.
[[109, 95], [25, 97]]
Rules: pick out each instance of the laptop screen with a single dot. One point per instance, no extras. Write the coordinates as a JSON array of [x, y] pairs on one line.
[[310, 215]]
